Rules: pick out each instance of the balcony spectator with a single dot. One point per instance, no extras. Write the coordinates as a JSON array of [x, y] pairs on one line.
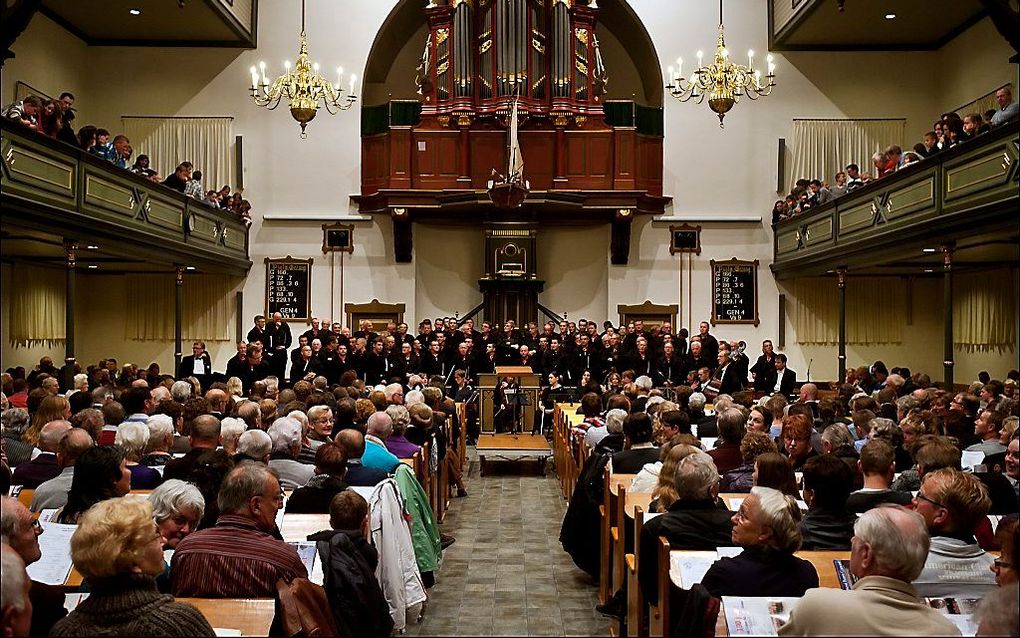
[[840, 184], [87, 137], [49, 121], [24, 112], [819, 193], [954, 132], [180, 177], [66, 133], [974, 125], [1008, 109], [931, 143], [102, 147], [193, 187], [122, 151], [854, 178]]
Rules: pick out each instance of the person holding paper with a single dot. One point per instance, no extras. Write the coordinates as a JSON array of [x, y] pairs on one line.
[[21, 532], [766, 527], [119, 550], [889, 548]]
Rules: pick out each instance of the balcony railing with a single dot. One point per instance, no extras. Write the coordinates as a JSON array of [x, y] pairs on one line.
[[970, 189], [54, 187]]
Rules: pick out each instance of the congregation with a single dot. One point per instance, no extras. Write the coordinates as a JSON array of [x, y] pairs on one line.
[[54, 119], [883, 461], [947, 132]]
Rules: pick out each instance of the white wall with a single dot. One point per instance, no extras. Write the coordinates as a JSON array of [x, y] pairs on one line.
[[710, 172]]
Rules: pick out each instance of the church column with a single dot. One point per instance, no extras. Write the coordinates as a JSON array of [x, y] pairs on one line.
[[947, 302], [841, 284], [178, 316], [71, 252]]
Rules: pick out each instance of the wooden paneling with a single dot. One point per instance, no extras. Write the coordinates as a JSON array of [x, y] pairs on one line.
[[400, 157], [538, 148], [436, 156], [648, 155], [488, 151], [375, 169], [623, 158], [589, 159]]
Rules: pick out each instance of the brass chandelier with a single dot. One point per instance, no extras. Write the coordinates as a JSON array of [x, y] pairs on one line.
[[723, 82], [303, 86]]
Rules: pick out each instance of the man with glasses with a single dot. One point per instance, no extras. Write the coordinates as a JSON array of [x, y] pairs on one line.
[[21, 531], [952, 504]]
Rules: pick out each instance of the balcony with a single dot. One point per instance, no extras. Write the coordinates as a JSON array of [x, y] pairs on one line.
[[53, 188], [967, 192]]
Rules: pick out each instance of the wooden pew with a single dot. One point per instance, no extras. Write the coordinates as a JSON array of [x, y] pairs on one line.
[[251, 616], [637, 618], [608, 512], [25, 497]]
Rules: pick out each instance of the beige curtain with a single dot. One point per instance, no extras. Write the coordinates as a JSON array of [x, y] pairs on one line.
[[821, 148], [984, 311], [38, 308], [875, 310], [208, 308], [207, 142]]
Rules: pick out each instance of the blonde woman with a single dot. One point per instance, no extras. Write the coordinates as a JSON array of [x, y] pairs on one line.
[[665, 493], [118, 548]]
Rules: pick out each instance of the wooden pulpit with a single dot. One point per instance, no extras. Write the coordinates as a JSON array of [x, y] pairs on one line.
[[487, 384]]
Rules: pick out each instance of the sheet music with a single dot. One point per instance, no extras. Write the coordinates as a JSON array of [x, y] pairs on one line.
[[55, 564], [71, 601], [970, 459]]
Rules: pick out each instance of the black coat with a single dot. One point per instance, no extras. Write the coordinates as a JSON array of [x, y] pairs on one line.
[[825, 530], [631, 461], [187, 368], [37, 471], [356, 600], [757, 572], [315, 496], [360, 476], [764, 371]]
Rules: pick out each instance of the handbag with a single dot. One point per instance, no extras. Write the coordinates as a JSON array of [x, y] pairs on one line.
[[302, 609]]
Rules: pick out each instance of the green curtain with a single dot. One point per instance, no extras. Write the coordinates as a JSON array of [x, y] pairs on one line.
[[374, 119], [619, 112], [649, 120], [405, 113]]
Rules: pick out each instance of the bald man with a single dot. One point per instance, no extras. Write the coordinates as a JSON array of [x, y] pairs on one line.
[[52, 494], [43, 467], [379, 426], [22, 536]]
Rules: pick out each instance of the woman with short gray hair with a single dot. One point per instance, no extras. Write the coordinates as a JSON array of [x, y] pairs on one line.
[[161, 440], [286, 434], [15, 422], [177, 507], [766, 526], [132, 437]]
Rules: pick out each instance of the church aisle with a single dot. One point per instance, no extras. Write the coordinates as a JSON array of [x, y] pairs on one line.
[[507, 575]]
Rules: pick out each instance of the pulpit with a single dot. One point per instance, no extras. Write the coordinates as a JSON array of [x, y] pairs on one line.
[[487, 393]]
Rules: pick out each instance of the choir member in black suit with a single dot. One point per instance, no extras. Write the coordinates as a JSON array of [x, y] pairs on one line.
[[305, 368], [237, 362], [198, 364], [764, 368], [669, 368], [258, 332]]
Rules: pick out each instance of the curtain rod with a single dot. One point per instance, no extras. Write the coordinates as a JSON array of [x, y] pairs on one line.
[[849, 119], [178, 117]]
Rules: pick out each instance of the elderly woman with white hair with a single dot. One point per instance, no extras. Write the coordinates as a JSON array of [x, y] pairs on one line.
[[133, 437], [766, 526], [177, 507], [161, 440], [254, 445], [286, 434], [231, 429]]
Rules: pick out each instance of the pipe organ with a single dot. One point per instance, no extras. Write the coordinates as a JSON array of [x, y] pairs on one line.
[[480, 52]]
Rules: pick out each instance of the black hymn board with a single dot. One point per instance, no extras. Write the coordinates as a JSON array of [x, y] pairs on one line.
[[734, 291], [288, 288]]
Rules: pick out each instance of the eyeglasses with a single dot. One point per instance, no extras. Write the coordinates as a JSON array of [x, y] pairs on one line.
[[998, 563], [925, 498]]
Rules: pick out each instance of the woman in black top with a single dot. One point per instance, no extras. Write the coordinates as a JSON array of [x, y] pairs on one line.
[[766, 527]]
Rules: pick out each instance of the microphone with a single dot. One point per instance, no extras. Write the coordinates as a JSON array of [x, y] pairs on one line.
[[810, 361]]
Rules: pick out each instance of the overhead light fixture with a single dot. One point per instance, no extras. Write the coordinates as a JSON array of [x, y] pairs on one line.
[[134, 12], [189, 268], [724, 82], [890, 16], [303, 86], [93, 266], [92, 247], [928, 250], [929, 270]]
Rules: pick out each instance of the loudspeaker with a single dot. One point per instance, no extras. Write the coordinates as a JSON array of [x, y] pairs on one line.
[[782, 322], [238, 163], [781, 167], [337, 238]]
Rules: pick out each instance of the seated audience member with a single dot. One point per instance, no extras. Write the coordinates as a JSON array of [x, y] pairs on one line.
[[888, 431], [998, 614], [21, 532], [766, 527], [15, 423], [238, 557], [930, 453], [638, 449], [664, 491], [52, 494], [696, 521], [177, 508], [353, 443], [180, 177], [161, 440], [827, 525], [378, 429], [15, 604], [758, 419], [1012, 463], [796, 435], [132, 438], [614, 439], [752, 446], [1008, 110], [254, 445], [774, 470], [878, 465], [889, 547], [231, 430], [43, 467], [1005, 567], [952, 504], [396, 442], [356, 600], [328, 481], [205, 437], [320, 426], [119, 550], [101, 473], [986, 429], [726, 453], [286, 435]]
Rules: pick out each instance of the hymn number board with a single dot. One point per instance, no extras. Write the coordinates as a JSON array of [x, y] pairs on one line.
[[735, 291], [288, 288]]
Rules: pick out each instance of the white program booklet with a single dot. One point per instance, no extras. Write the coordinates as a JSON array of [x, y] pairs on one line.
[[687, 568], [757, 616], [55, 564]]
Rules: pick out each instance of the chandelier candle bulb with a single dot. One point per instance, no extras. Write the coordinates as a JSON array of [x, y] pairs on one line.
[[254, 78], [680, 67], [672, 76], [750, 58], [354, 81]]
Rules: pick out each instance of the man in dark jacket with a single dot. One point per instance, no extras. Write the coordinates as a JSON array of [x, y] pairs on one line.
[[348, 566], [315, 496], [198, 364], [639, 450], [827, 485], [353, 443], [696, 521]]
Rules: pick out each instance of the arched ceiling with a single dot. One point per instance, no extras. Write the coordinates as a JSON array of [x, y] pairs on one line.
[[617, 16]]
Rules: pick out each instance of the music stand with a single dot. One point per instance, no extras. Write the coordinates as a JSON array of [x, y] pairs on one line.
[[517, 400]]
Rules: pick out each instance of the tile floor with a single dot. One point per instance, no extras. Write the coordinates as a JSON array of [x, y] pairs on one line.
[[507, 575]]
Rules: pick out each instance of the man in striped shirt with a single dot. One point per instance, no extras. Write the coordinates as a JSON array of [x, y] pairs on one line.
[[239, 557]]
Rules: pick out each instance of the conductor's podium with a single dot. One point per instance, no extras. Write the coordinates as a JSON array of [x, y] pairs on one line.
[[487, 396]]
